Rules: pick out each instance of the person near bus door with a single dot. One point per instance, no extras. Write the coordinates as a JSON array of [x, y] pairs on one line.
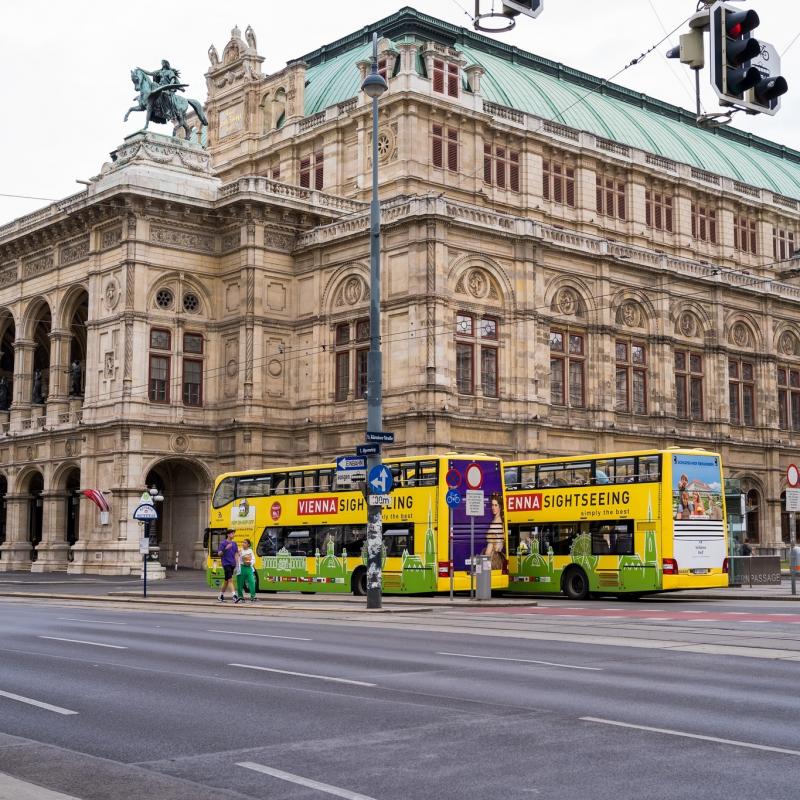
[[229, 551]]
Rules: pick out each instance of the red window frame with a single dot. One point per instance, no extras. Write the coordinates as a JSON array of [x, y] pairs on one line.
[[158, 386], [788, 398], [444, 138], [782, 244], [610, 196], [742, 392], [744, 234], [630, 372], [658, 210], [689, 379], [558, 182], [704, 223], [568, 358], [313, 163], [501, 167]]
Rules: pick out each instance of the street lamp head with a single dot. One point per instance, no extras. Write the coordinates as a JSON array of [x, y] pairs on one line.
[[374, 85]]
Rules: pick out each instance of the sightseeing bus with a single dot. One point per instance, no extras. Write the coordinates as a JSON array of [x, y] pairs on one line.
[[621, 523], [309, 533]]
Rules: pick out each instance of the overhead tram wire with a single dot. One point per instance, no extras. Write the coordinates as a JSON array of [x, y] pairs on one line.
[[296, 354]]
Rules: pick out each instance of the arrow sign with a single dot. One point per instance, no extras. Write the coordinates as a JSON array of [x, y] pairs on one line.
[[349, 463], [380, 479]]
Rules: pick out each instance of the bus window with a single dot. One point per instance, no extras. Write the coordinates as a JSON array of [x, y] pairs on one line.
[[224, 493], [268, 543], [625, 470], [279, 483], [578, 474], [548, 475], [511, 477], [214, 538], [521, 540], [649, 468], [295, 482], [325, 480], [604, 470], [527, 477], [397, 538], [354, 538], [564, 535], [299, 543], [410, 473], [254, 486], [310, 482], [428, 474], [324, 534], [615, 538]]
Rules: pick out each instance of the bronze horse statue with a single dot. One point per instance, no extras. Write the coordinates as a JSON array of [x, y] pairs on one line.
[[162, 105]]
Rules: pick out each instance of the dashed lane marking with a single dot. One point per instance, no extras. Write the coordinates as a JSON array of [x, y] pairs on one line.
[[302, 674], [300, 780], [522, 661], [262, 635], [38, 703], [83, 641]]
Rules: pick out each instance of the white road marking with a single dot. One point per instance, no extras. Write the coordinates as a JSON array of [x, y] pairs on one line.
[[733, 742], [521, 661], [37, 703], [299, 779], [302, 674], [263, 635], [95, 621], [82, 641]]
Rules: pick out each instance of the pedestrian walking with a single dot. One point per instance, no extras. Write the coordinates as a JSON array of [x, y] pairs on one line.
[[229, 551], [247, 571]]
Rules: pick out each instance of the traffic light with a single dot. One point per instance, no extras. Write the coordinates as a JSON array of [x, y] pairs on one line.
[[530, 8], [744, 70]]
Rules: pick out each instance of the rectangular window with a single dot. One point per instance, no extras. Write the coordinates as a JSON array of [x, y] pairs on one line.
[[741, 392], [312, 165], [361, 373], [342, 375], [192, 382], [610, 196], [438, 75], [789, 398], [501, 167], [658, 210], [465, 368], [631, 373], [744, 234], [489, 371], [782, 244], [452, 80], [704, 223], [382, 68], [192, 343], [160, 340], [445, 147], [567, 368], [558, 182], [159, 379], [689, 385]]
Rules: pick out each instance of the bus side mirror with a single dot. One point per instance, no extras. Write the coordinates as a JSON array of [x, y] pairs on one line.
[[205, 539]]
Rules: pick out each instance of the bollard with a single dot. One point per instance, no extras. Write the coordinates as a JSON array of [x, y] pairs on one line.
[[483, 575], [794, 566], [177, 553]]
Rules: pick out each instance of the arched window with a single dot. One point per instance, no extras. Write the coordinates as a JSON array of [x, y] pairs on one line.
[[752, 508]]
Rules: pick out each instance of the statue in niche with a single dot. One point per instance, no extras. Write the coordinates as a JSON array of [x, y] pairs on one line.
[[250, 35], [38, 395], [4, 394], [75, 378]]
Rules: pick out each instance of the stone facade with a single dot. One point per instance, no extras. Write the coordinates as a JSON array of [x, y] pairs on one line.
[[215, 306]]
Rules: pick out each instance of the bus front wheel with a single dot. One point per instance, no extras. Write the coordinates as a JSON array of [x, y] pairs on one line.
[[576, 584], [358, 582]]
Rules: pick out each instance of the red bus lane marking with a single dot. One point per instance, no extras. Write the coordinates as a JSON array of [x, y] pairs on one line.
[[649, 615]]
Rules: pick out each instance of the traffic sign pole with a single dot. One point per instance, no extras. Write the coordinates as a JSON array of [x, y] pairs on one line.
[[792, 479]]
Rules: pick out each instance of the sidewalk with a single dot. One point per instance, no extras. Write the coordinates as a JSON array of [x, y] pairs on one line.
[[189, 586]]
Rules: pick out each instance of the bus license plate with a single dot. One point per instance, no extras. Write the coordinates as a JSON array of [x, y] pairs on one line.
[[699, 572]]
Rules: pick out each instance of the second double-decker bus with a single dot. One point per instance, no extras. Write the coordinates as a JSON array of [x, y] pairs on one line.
[[309, 533], [619, 523]]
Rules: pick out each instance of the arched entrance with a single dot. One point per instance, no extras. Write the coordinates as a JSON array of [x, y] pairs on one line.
[[41, 357], [183, 514], [35, 512], [7, 336]]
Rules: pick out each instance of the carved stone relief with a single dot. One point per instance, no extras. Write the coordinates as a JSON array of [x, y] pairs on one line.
[[111, 293], [37, 265], [787, 344], [108, 365], [630, 314], [567, 302], [278, 240], [687, 325], [351, 292], [232, 298], [740, 336], [179, 442], [110, 237], [231, 367], [182, 238], [74, 251]]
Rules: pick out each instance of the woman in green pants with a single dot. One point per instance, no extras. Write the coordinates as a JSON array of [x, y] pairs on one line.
[[247, 574]]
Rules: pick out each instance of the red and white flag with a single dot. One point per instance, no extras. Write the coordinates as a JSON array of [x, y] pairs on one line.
[[97, 497]]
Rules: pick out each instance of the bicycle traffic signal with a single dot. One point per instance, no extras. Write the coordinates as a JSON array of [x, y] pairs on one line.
[[744, 70]]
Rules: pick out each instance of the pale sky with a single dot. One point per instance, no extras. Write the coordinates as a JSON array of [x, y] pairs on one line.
[[65, 66]]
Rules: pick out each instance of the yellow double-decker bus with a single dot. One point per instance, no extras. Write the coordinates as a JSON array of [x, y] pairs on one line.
[[619, 523], [309, 533]]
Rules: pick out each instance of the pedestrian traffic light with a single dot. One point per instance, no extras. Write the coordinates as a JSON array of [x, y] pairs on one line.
[[744, 70]]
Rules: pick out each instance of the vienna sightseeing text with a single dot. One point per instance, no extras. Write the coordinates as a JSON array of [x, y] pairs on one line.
[[536, 501]]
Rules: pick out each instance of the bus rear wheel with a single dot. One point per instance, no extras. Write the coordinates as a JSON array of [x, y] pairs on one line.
[[358, 583], [576, 584]]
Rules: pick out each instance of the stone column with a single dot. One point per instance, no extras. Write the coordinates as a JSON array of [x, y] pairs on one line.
[[15, 552], [58, 391], [53, 550], [23, 382]]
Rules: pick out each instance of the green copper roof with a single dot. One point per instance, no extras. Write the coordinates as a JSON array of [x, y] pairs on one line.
[[528, 83]]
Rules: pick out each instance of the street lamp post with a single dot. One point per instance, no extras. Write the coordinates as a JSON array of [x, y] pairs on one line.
[[155, 497], [374, 86]]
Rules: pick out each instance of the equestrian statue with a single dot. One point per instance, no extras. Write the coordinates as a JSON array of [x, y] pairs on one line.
[[159, 99]]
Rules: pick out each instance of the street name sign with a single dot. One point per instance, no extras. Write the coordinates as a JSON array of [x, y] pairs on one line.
[[368, 449], [350, 470], [380, 436]]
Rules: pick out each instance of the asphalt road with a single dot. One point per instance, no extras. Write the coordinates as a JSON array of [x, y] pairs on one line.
[[658, 699]]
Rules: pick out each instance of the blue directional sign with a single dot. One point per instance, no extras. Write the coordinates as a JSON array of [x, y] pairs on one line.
[[453, 498], [380, 436], [350, 464], [380, 479]]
